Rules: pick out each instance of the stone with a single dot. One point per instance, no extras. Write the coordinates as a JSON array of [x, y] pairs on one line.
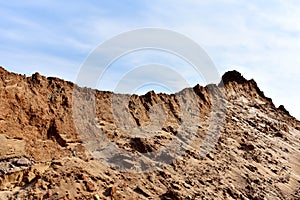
[[22, 162], [96, 197]]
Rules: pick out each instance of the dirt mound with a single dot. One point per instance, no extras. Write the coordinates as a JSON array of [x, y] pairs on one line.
[[59, 141]]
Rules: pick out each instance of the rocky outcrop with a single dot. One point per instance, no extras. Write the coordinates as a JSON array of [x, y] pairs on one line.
[[214, 142]]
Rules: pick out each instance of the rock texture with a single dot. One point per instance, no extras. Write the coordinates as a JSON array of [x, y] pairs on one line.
[[50, 149]]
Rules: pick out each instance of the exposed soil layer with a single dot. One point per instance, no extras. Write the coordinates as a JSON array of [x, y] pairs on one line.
[[59, 141]]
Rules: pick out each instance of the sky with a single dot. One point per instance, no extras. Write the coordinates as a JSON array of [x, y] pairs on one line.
[[261, 39]]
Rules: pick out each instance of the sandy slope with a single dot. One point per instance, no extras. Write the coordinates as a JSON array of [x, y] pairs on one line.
[[58, 141]]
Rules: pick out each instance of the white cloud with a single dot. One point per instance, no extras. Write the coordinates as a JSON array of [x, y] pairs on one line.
[[259, 38], [262, 43]]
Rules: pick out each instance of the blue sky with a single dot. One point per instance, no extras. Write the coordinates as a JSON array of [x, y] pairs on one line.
[[261, 39]]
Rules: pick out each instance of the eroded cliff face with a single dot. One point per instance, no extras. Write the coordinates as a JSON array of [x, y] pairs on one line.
[[227, 142]]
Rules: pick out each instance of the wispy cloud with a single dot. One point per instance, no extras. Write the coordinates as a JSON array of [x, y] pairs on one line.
[[259, 38]]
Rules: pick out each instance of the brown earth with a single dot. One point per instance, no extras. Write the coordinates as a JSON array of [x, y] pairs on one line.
[[59, 141]]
